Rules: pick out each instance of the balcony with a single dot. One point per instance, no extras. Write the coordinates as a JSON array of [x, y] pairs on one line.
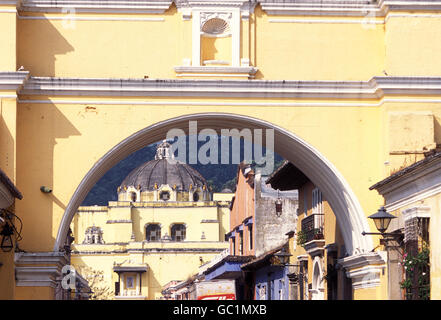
[[313, 239]]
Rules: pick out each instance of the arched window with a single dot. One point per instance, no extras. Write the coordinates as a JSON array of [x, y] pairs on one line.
[[178, 232], [93, 235], [133, 196], [195, 196], [153, 232]]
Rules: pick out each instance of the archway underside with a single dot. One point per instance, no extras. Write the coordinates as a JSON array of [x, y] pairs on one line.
[[311, 162]]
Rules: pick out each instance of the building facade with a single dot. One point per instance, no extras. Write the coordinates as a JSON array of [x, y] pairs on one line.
[[255, 228], [350, 88], [165, 217], [316, 245], [413, 196]]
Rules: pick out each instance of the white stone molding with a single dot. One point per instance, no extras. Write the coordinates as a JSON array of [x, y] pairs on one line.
[[416, 212], [376, 88], [414, 183], [13, 80], [271, 7], [90, 18], [317, 291], [207, 16], [315, 247], [40, 269], [210, 71], [92, 6], [345, 8], [364, 269]]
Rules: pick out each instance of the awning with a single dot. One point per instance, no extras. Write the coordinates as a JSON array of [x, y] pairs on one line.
[[120, 269], [227, 268]]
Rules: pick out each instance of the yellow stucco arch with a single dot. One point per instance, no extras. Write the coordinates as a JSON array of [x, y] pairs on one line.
[[322, 172]]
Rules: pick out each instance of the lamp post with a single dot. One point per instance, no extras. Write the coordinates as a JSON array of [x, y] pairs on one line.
[[6, 242], [278, 204], [281, 258], [382, 219]]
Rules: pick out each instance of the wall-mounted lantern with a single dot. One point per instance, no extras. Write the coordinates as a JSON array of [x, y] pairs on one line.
[[382, 219], [7, 243]]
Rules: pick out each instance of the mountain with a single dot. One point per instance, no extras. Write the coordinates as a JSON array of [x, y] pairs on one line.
[[219, 176]]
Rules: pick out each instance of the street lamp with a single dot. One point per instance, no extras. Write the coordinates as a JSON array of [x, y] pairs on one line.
[[382, 220], [278, 204], [281, 258]]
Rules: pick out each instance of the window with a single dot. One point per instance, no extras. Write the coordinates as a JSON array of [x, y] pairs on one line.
[[130, 283], [317, 206], [94, 235], [133, 196], [178, 232], [195, 196], [250, 236], [240, 243], [153, 232], [164, 195], [305, 203]]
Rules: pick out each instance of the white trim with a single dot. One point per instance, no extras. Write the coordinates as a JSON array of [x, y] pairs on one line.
[[230, 75], [91, 6], [419, 183], [416, 197], [37, 276], [328, 21], [231, 104], [96, 18], [416, 212], [375, 88], [196, 39], [364, 269], [39, 269], [13, 80], [8, 96], [365, 278]]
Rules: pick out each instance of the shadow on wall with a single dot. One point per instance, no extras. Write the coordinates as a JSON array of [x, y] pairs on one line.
[[34, 51], [437, 129], [35, 162], [7, 156]]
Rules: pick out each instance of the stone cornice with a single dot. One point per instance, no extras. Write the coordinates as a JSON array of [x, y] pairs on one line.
[[39, 268], [13, 80], [411, 184], [361, 260], [271, 7], [375, 88], [92, 6], [41, 258], [368, 8]]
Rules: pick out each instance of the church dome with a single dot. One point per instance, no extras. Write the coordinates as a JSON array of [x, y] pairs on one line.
[[163, 170]]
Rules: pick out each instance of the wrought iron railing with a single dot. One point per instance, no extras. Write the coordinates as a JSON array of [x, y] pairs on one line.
[[313, 227]]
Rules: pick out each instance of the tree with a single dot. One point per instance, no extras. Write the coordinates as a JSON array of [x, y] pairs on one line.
[[95, 278]]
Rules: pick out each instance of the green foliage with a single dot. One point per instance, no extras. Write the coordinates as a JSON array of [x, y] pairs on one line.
[[417, 270], [301, 238], [219, 176]]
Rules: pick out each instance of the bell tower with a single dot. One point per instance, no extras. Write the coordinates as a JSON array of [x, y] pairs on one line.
[[220, 39]]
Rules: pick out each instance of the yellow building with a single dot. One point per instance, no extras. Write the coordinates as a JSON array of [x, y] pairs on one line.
[[351, 90], [165, 224], [413, 196]]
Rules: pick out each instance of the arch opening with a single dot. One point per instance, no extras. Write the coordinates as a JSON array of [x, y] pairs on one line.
[[349, 214]]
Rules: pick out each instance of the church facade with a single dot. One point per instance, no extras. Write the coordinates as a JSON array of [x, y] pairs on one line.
[[165, 224]]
